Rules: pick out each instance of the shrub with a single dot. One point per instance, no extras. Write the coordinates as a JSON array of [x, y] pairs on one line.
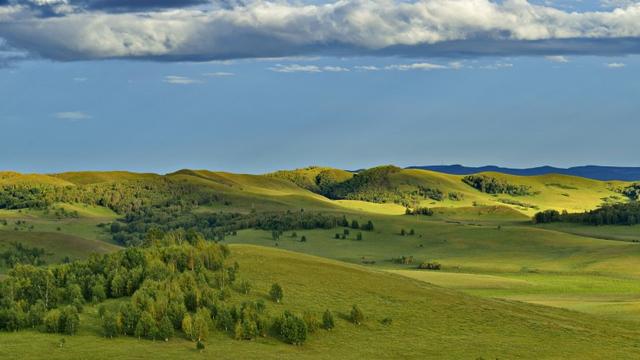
[[327, 320], [291, 328], [429, 266], [312, 321], [356, 316], [245, 287], [276, 293], [368, 226]]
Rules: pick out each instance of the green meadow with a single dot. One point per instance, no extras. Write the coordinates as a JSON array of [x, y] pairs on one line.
[[507, 288]]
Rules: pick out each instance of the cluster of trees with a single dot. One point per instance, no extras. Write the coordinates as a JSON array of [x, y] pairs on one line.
[[375, 185], [632, 192], [131, 229], [29, 289], [404, 260], [177, 283], [430, 265], [613, 214], [404, 232], [322, 182], [21, 254], [491, 185], [122, 197], [419, 211]]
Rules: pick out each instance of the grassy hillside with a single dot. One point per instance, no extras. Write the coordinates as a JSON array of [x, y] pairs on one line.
[[422, 188], [481, 239], [427, 321]]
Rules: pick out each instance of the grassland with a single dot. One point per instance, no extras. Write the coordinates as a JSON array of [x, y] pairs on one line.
[[497, 268], [428, 322]]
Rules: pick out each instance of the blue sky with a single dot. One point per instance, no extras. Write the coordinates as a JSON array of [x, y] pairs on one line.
[[376, 98]]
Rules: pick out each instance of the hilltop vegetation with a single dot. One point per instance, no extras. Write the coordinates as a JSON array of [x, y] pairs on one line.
[[616, 214]]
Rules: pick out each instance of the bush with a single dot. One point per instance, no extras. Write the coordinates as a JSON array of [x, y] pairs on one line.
[[276, 293], [245, 287], [429, 266], [356, 316], [327, 320], [291, 328], [312, 321]]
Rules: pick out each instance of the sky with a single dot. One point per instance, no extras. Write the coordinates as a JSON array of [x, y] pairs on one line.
[[255, 86]]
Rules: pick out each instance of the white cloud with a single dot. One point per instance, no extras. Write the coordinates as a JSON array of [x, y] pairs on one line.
[[72, 115], [366, 68], [557, 59], [297, 68], [416, 66], [80, 79], [261, 28], [180, 80], [615, 65], [219, 74], [456, 65], [497, 66], [335, 69]]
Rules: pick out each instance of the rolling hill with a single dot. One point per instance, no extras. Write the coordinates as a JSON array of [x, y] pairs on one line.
[[604, 173]]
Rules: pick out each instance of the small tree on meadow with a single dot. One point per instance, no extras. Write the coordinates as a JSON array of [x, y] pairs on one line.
[[291, 328], [355, 225], [327, 320], [245, 287], [276, 293], [356, 316]]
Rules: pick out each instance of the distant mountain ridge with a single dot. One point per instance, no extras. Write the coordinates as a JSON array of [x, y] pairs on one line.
[[604, 173]]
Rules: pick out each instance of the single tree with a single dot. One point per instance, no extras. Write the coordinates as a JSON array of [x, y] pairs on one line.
[[327, 320], [356, 316], [276, 293]]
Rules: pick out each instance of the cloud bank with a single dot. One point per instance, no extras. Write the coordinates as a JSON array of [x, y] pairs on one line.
[[199, 30]]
